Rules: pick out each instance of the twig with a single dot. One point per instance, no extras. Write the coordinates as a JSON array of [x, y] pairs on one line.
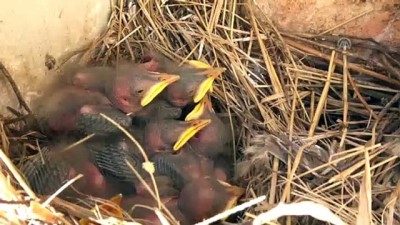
[[389, 66], [233, 210], [324, 95], [66, 185], [15, 120], [17, 175], [346, 22], [14, 86], [355, 88], [313, 209], [351, 66]]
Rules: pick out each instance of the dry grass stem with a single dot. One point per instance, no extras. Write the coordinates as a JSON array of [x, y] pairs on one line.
[[315, 124]]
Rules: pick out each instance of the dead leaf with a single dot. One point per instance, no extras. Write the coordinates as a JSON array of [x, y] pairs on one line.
[[43, 213], [112, 207], [365, 203]]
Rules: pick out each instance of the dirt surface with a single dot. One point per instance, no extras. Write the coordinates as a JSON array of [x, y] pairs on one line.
[[377, 19]]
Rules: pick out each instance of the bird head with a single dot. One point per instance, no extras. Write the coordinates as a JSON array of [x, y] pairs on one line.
[[171, 134], [206, 197], [135, 87], [197, 78], [194, 84]]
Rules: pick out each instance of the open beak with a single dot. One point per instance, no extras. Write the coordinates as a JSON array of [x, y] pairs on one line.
[[197, 111], [163, 81], [207, 84], [234, 193], [201, 65], [194, 127], [198, 64]]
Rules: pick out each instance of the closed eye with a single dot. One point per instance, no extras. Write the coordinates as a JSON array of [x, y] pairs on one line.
[[125, 99]]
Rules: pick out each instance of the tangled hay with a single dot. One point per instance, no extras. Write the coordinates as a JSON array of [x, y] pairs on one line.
[[314, 118]]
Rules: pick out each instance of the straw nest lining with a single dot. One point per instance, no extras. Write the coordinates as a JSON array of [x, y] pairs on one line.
[[324, 117]]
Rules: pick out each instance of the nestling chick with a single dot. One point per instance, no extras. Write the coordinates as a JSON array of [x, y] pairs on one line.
[[165, 135], [185, 166], [206, 197], [196, 79], [129, 87], [71, 109], [49, 170], [213, 140]]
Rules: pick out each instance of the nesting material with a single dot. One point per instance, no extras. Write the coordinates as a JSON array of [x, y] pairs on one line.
[[314, 118]]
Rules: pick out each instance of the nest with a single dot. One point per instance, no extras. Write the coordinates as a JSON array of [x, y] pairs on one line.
[[315, 118]]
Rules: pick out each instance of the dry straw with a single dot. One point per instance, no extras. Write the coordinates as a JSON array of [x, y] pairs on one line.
[[315, 122]]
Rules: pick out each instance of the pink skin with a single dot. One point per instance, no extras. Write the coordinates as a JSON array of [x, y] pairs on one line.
[[157, 139], [72, 173], [154, 143], [88, 109], [123, 99], [95, 178], [152, 65], [67, 121], [204, 139], [193, 166], [202, 196], [80, 80], [93, 182], [210, 140], [62, 113], [62, 123], [129, 90], [176, 97], [220, 174], [92, 78]]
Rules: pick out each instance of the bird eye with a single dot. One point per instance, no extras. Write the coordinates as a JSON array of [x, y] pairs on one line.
[[139, 91], [162, 148], [125, 99]]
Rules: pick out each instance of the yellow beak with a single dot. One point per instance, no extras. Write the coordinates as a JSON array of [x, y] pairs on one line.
[[163, 81], [195, 126], [197, 111], [207, 84], [199, 64]]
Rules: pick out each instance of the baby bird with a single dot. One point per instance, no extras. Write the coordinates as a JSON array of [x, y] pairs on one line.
[[206, 197], [196, 79], [129, 87], [166, 135], [213, 140], [74, 110], [49, 170], [112, 154], [182, 167]]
